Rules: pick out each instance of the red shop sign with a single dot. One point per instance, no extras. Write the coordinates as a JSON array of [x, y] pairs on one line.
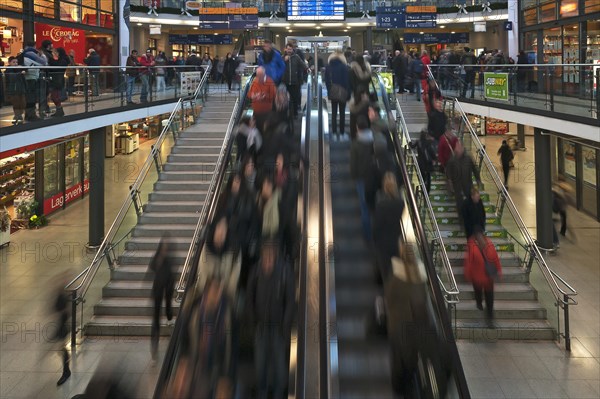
[[67, 38], [56, 201]]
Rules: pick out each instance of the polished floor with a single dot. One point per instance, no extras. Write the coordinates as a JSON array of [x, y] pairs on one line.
[[30, 367]]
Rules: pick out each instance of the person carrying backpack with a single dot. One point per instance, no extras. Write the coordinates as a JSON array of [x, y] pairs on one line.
[[417, 71]]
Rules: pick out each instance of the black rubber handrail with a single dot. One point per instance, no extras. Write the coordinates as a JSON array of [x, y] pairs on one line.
[[436, 293], [173, 349]]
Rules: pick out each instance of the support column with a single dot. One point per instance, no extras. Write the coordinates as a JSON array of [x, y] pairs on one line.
[[368, 37], [543, 190], [96, 218], [521, 136], [28, 29], [513, 35], [124, 11]]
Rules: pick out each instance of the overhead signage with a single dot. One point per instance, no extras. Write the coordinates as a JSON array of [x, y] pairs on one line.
[[496, 85], [398, 17], [227, 19], [508, 25], [436, 38], [67, 38], [228, 10], [201, 39], [312, 10], [155, 29], [420, 9]]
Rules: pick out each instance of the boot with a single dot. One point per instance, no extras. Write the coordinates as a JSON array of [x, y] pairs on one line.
[[58, 113], [30, 115], [64, 377]]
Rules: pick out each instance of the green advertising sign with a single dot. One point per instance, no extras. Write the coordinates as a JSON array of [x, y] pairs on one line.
[[388, 81], [496, 85]]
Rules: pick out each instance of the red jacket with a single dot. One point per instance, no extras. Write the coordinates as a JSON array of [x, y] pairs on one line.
[[444, 150], [262, 95], [426, 62], [146, 61], [475, 266]]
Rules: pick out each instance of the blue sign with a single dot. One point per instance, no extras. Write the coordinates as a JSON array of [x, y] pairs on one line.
[[420, 24], [389, 21], [436, 38], [200, 39], [395, 17], [316, 10], [508, 25]]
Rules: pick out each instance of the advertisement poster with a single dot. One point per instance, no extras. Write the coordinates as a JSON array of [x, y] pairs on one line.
[[589, 165], [67, 38], [569, 156], [388, 81], [496, 85], [189, 82]]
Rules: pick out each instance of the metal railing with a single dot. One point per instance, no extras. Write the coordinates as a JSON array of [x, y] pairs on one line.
[[567, 89], [554, 293], [107, 250]]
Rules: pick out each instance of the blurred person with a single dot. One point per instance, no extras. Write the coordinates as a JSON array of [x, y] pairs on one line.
[[380, 126], [30, 60], [473, 212], [337, 80], [293, 77], [229, 66], [399, 66], [506, 156], [386, 224], [61, 309], [272, 62], [71, 73], [522, 71], [47, 51], [360, 77], [417, 68], [560, 199], [193, 61], [271, 301], [249, 173], [431, 96], [160, 62], [146, 62], [248, 138], [218, 69], [383, 162], [57, 80], [16, 88], [206, 62], [468, 61], [132, 71], [282, 108], [269, 202], [425, 157], [446, 147], [163, 285], [482, 267], [460, 171], [93, 61], [361, 159], [262, 94]]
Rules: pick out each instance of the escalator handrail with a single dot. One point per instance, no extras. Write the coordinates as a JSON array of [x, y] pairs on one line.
[[438, 298], [208, 213], [452, 292], [563, 297]]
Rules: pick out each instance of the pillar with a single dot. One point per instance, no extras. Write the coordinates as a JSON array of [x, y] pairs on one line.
[[124, 11], [28, 28], [96, 217], [543, 189], [521, 136], [368, 37], [513, 35]]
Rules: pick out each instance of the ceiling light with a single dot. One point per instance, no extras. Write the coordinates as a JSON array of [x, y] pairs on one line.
[[453, 32], [140, 24], [276, 35], [442, 26], [421, 33], [345, 30], [318, 27], [195, 28], [215, 34]]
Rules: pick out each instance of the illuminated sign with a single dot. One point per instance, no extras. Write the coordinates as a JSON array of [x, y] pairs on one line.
[[312, 10]]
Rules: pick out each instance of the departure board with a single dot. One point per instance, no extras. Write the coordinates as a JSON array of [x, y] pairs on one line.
[[315, 10]]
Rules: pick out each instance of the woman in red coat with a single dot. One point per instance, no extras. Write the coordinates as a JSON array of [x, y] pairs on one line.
[[479, 246]]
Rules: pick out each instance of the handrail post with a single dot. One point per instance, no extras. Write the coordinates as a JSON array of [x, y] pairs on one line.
[[156, 156], [567, 332], [551, 76], [86, 88], [501, 203], [135, 196], [597, 94], [73, 319]]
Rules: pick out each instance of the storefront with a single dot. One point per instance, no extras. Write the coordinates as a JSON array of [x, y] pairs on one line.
[[563, 32]]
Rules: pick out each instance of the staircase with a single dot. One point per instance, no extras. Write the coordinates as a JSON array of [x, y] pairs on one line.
[[518, 314], [174, 206]]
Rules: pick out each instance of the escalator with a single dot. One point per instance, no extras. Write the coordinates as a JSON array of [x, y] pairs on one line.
[[363, 349]]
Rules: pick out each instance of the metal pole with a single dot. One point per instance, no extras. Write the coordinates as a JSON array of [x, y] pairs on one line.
[[316, 61], [567, 333], [551, 75], [96, 214], [597, 93], [73, 319], [86, 86]]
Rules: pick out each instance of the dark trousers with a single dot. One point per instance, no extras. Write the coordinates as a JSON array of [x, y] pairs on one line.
[[506, 170], [426, 179], [469, 81], [335, 106], [31, 97], [400, 82], [71, 85], [158, 292], [229, 80], [488, 293], [295, 98], [269, 360], [563, 222]]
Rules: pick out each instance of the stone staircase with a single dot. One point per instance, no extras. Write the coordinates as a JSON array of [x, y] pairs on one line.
[[518, 314], [174, 206]]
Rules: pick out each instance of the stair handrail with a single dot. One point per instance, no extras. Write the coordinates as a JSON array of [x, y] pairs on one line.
[[209, 206], [564, 298], [86, 276], [453, 291]]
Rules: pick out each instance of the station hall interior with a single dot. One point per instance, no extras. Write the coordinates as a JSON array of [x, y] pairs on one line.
[[302, 199]]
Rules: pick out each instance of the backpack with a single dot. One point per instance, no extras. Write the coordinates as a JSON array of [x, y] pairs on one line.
[[338, 93], [418, 66]]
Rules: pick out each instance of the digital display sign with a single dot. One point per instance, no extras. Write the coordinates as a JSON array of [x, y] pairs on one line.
[[315, 10]]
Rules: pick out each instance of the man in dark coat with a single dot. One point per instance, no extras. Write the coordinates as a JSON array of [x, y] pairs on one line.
[[361, 162], [506, 155], [473, 213], [161, 265], [93, 60], [399, 64], [337, 74], [293, 77], [460, 170]]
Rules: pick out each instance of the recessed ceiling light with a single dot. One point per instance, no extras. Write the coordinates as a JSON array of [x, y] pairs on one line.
[[421, 33], [442, 26], [140, 24], [453, 32], [195, 28], [276, 35]]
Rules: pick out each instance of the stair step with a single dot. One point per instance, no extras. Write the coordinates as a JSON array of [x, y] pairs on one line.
[[177, 185], [460, 244], [441, 195], [506, 329], [509, 275], [189, 134], [174, 206], [137, 272], [125, 326], [502, 291], [157, 230], [186, 158], [440, 206], [452, 218], [210, 127], [455, 230], [143, 257], [189, 166], [151, 243], [503, 309], [128, 289], [173, 196], [170, 218], [185, 176], [129, 307], [200, 140], [199, 149]]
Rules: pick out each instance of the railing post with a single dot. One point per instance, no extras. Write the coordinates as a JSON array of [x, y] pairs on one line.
[[567, 332], [156, 158], [123, 86], [501, 204], [551, 76], [135, 198], [515, 85], [597, 93], [73, 319], [86, 88], [531, 259]]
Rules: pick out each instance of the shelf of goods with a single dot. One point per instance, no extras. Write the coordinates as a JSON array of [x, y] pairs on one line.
[[16, 176]]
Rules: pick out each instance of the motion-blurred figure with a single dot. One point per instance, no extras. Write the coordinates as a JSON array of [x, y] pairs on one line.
[[161, 264], [62, 312], [506, 156], [460, 170]]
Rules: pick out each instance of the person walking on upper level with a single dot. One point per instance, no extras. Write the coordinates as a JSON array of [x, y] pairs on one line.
[[147, 61], [31, 59], [468, 62], [229, 66], [56, 77], [160, 63], [506, 156], [271, 60], [15, 89], [132, 72], [93, 60], [337, 80]]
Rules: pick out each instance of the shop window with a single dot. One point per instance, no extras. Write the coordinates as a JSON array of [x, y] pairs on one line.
[[13, 5], [569, 159], [592, 6], [552, 46], [571, 56], [569, 8], [52, 172], [531, 47], [525, 4], [588, 160], [530, 16], [153, 45], [89, 16], [44, 8], [177, 50], [107, 5], [548, 12]]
